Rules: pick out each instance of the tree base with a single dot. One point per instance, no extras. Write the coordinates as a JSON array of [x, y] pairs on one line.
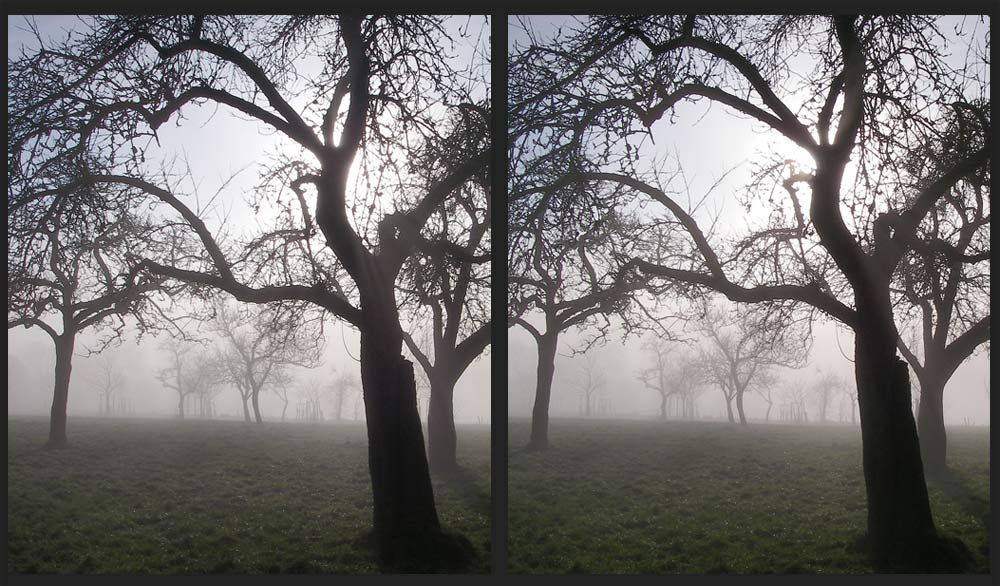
[[55, 445], [939, 555], [536, 446], [431, 552]]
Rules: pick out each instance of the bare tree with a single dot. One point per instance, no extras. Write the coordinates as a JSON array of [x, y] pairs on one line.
[[591, 385], [343, 388], [191, 372], [741, 346], [258, 344], [825, 390], [78, 275], [564, 268], [659, 377], [909, 126], [446, 287], [943, 287], [108, 381]]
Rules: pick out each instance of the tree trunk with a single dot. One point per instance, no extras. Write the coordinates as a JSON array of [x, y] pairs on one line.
[[729, 410], [547, 345], [441, 438], [246, 409], [60, 394], [406, 526], [901, 533], [739, 408], [663, 407], [255, 398], [930, 426], [767, 416], [180, 405]]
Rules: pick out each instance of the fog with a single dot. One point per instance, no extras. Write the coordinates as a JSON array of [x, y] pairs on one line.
[[966, 398]]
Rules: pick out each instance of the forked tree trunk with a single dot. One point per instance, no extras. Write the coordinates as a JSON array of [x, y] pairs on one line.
[[441, 438], [547, 345], [60, 394], [930, 425], [901, 533]]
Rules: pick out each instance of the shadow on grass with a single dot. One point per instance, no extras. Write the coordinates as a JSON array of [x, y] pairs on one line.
[[956, 486], [462, 483]]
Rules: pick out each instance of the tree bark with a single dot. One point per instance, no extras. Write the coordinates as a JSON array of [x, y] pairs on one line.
[[901, 533], [729, 410], [60, 394], [547, 345], [441, 438], [663, 407], [180, 405], [930, 425]]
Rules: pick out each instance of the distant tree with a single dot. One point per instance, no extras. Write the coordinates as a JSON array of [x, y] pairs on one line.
[[108, 381], [311, 392], [591, 385], [192, 372], [658, 377], [259, 343], [825, 390], [741, 346], [343, 388]]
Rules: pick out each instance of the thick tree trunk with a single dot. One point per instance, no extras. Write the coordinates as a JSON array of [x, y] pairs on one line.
[[547, 345], [739, 408], [60, 394], [930, 426], [442, 442], [901, 533], [406, 525]]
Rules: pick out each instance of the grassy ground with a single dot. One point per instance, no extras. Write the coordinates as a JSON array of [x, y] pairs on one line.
[[699, 497], [159, 496]]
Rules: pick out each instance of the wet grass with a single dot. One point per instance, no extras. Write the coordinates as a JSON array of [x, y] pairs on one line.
[[698, 497], [158, 496]]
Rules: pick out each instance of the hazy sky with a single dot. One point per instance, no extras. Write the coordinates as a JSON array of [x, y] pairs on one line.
[[733, 142], [217, 144]]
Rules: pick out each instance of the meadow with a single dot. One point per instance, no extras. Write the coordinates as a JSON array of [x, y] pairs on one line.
[[138, 496], [690, 497]]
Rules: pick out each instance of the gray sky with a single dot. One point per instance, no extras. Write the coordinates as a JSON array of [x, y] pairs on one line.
[[217, 145], [733, 142]]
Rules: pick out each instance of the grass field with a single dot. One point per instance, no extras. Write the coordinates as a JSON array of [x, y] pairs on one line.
[[160, 496], [698, 497]]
